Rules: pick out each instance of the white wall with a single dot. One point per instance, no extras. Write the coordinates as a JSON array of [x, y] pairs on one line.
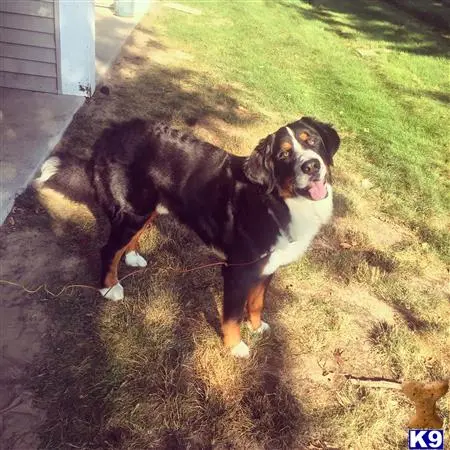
[[77, 46]]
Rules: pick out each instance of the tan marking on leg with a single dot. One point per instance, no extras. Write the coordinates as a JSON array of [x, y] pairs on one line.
[[231, 333], [255, 304], [111, 277], [133, 245]]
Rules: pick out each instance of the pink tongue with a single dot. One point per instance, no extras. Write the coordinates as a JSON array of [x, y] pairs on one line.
[[317, 190]]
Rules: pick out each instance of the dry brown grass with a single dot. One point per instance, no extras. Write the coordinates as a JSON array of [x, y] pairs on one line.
[[150, 372]]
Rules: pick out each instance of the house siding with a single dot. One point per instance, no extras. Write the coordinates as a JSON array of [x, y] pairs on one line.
[[28, 45]]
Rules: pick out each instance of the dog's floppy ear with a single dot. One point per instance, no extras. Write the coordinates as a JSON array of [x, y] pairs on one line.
[[330, 138], [259, 165]]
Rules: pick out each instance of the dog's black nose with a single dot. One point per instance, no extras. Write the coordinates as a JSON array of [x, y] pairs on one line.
[[311, 167]]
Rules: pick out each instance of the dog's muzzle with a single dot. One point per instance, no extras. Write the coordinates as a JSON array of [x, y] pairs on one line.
[[311, 180]]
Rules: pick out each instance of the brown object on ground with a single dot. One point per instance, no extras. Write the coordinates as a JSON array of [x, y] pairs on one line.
[[373, 382], [425, 396]]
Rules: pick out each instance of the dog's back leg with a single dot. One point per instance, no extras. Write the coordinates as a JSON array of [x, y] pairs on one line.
[[123, 238], [132, 256]]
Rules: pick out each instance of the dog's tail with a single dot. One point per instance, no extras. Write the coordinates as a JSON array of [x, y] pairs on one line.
[[68, 175]]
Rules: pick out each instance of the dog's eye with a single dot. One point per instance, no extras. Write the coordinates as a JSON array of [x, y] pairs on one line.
[[286, 147], [284, 154]]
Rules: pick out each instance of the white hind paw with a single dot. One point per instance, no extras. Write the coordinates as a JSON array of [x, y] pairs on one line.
[[113, 293], [263, 328], [134, 259], [240, 350]]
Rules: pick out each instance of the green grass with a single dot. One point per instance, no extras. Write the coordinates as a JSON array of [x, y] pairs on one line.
[[391, 103]]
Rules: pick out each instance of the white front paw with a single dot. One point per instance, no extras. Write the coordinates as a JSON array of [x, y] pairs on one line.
[[240, 350], [134, 259], [114, 293], [263, 328]]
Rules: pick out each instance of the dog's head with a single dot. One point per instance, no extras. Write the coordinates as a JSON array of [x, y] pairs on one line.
[[295, 160]]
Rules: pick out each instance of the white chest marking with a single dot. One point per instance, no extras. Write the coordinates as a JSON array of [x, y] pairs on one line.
[[307, 217]]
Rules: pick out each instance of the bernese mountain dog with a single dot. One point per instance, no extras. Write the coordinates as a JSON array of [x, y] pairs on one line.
[[260, 211]]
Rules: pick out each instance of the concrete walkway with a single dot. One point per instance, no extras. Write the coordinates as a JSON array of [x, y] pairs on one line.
[[32, 123]]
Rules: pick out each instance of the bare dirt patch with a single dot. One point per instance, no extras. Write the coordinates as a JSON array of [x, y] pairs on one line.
[[32, 256]]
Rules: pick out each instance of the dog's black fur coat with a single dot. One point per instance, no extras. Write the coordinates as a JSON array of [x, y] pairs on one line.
[[225, 199]]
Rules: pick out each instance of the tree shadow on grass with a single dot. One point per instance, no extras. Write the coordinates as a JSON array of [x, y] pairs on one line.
[[369, 266], [378, 21], [436, 14], [162, 87], [342, 206], [413, 322]]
